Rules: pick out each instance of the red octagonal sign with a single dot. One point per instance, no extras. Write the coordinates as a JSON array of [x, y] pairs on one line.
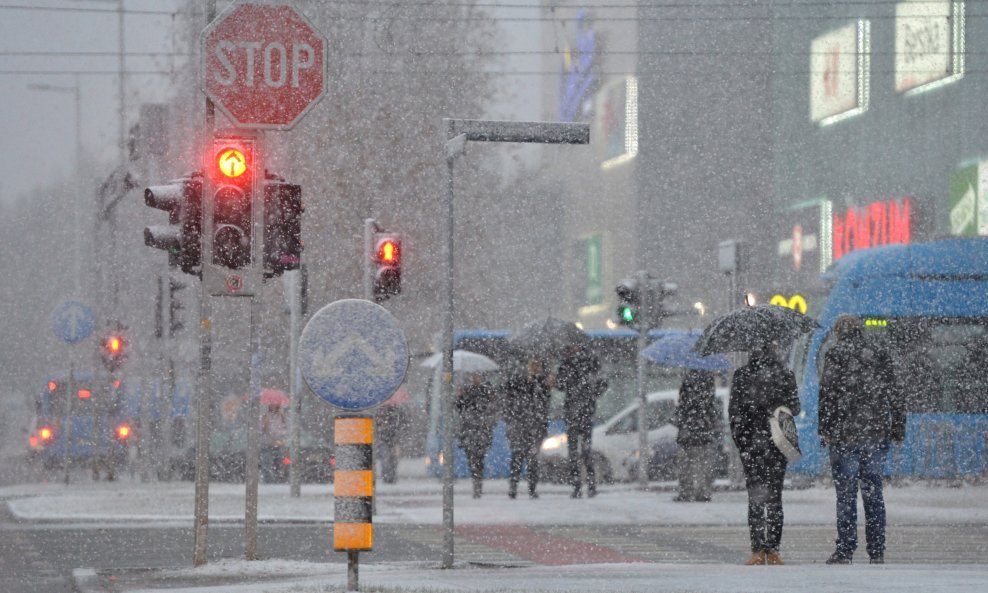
[[263, 65]]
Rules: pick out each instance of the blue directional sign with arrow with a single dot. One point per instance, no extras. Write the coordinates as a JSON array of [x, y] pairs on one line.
[[73, 321], [353, 354]]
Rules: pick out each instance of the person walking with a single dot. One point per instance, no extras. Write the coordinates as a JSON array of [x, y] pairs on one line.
[[274, 431], [527, 416], [698, 422], [861, 412], [758, 388], [578, 377], [476, 406], [389, 422]]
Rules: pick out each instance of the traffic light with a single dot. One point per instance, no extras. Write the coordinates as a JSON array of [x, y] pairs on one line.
[[387, 264], [174, 306], [233, 177], [114, 351], [629, 302], [182, 236], [282, 225]]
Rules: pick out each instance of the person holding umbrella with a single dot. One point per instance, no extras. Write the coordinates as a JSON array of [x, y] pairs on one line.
[[758, 388], [476, 405], [526, 412], [578, 376]]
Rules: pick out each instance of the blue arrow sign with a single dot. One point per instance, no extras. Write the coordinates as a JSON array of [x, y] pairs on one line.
[[73, 321], [353, 354]]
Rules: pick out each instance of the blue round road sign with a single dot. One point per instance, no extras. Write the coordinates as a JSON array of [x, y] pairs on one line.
[[73, 321], [353, 354]]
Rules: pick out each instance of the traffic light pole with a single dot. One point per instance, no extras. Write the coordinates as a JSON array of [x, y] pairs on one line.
[[643, 328]]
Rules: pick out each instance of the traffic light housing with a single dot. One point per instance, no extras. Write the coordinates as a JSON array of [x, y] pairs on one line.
[[114, 351], [629, 302], [233, 185], [182, 236], [387, 265], [282, 225], [174, 306]]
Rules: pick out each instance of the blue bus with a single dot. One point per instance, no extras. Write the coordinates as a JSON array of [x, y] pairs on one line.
[[617, 350], [928, 305]]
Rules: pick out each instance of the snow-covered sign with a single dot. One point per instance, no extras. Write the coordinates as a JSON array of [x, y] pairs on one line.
[[353, 354], [73, 321], [263, 65]]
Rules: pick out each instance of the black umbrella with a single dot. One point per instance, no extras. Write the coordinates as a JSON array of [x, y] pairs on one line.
[[548, 338], [750, 328]]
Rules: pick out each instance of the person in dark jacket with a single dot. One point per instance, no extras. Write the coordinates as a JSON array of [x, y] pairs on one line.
[[758, 388], [578, 377], [861, 412], [526, 412], [698, 422], [476, 406]]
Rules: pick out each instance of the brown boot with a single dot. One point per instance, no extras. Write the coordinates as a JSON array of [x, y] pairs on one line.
[[772, 558], [756, 559]]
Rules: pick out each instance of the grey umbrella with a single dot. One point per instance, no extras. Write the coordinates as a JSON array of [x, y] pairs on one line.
[[750, 328], [548, 338]]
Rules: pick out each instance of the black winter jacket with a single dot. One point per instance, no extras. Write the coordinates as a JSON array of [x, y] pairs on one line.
[[859, 398], [758, 388], [697, 416]]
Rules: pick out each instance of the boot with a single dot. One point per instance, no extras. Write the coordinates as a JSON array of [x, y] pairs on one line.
[[577, 493], [756, 558], [839, 557], [512, 489], [772, 558], [478, 488]]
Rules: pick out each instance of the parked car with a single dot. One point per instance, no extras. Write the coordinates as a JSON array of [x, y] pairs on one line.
[[615, 443]]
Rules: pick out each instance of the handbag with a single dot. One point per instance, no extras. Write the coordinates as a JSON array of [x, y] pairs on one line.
[[784, 433]]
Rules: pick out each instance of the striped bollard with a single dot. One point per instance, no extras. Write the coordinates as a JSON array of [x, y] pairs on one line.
[[353, 490]]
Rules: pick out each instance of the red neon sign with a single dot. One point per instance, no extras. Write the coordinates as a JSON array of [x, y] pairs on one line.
[[878, 223]]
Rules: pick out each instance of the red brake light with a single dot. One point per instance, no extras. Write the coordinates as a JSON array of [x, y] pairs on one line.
[[123, 431], [32, 440], [46, 433]]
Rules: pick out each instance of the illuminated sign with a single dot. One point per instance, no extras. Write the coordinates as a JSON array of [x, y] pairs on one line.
[[876, 322], [578, 59], [929, 44], [616, 121], [968, 200], [878, 223], [796, 302], [840, 63]]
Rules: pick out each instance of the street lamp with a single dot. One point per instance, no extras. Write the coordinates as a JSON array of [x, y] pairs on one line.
[[43, 86]]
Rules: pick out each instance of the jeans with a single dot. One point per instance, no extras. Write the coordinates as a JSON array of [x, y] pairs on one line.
[[851, 463]]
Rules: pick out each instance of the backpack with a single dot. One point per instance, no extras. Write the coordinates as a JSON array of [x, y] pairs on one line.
[[784, 434]]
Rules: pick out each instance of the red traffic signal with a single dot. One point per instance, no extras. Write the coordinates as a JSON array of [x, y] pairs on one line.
[[114, 351], [387, 260], [233, 177]]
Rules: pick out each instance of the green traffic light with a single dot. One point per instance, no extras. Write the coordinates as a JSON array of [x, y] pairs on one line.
[[627, 314]]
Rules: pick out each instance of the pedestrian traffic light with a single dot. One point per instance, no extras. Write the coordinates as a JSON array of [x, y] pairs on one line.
[[233, 181], [629, 302], [387, 264], [182, 236], [282, 225], [114, 351]]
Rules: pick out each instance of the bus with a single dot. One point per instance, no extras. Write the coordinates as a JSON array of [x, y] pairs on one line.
[[927, 304], [617, 350]]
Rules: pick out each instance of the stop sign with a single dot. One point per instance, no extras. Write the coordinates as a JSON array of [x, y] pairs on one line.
[[263, 65]]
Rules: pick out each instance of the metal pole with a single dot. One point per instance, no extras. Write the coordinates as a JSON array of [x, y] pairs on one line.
[[370, 227], [447, 372], [67, 421], [253, 433], [352, 570], [121, 137], [203, 397], [294, 278], [643, 326]]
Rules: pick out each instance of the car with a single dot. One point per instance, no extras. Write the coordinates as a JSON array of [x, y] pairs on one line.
[[615, 443]]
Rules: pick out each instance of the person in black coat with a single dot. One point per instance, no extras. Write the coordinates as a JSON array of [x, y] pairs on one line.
[[476, 406], [699, 422], [526, 412], [578, 376], [861, 412], [758, 388]]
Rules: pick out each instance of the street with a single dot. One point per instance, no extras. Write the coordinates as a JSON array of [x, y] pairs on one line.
[[47, 538]]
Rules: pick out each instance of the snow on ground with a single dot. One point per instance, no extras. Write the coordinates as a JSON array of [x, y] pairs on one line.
[[419, 501]]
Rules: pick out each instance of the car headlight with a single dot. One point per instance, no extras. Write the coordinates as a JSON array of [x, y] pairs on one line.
[[553, 443]]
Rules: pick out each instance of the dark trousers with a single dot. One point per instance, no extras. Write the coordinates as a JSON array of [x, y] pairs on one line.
[[579, 444], [849, 464], [475, 460], [764, 472], [521, 454]]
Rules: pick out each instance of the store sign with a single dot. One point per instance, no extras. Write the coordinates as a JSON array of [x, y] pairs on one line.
[[616, 121], [878, 223], [578, 59], [795, 302], [804, 252], [968, 200], [839, 65], [593, 288], [926, 47]]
